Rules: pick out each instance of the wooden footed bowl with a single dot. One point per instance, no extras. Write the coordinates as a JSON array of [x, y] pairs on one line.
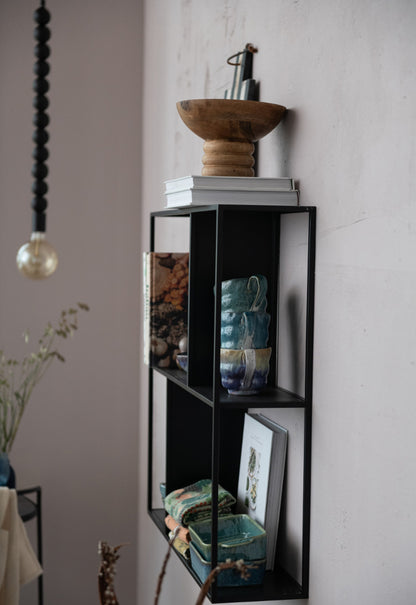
[[230, 129]]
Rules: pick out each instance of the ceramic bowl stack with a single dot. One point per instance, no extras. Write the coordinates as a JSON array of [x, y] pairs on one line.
[[239, 538], [245, 357]]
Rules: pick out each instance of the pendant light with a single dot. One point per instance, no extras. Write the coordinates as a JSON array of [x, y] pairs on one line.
[[37, 259]]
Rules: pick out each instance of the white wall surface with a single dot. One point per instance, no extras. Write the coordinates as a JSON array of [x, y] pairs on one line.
[[346, 71], [78, 438]]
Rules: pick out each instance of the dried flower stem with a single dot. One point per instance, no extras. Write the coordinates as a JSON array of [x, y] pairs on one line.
[[107, 572], [237, 565], [165, 562]]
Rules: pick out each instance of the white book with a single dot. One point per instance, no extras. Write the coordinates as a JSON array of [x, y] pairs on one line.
[[205, 197], [229, 182], [260, 480]]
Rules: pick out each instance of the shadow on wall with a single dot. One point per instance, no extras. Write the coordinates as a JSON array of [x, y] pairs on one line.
[[294, 316], [287, 544], [282, 137]]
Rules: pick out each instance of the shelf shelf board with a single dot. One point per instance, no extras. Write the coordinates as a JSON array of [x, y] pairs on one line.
[[277, 585], [268, 398], [177, 376], [237, 208]]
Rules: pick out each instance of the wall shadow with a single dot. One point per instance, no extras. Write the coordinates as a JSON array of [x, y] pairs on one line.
[[282, 140], [294, 346]]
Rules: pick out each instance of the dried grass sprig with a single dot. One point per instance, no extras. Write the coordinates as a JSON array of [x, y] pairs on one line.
[[18, 379]]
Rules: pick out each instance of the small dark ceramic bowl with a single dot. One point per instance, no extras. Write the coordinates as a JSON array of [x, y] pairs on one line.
[[182, 362]]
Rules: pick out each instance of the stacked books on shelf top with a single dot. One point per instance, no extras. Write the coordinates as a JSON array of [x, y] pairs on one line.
[[207, 190]]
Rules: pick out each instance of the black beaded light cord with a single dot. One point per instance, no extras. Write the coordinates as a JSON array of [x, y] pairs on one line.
[[37, 259], [41, 69]]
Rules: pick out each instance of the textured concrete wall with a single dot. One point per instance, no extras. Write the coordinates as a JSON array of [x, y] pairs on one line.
[[346, 72]]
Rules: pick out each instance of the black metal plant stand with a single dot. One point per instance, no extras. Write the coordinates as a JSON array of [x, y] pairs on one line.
[[31, 508]]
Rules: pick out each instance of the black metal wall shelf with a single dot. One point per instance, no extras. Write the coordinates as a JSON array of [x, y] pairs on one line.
[[227, 241]]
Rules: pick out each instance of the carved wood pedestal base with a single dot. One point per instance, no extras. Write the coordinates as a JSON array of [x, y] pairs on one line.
[[228, 158]]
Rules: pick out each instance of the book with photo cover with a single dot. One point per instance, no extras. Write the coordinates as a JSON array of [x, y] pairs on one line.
[[165, 277], [260, 481]]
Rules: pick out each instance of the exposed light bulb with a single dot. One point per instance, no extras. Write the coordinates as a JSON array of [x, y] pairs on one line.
[[37, 259]]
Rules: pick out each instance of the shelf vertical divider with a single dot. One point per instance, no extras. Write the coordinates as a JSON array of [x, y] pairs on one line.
[[274, 298], [310, 304], [201, 297], [219, 245], [150, 406]]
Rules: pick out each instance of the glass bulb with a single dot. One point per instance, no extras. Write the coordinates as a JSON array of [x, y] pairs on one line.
[[37, 259]]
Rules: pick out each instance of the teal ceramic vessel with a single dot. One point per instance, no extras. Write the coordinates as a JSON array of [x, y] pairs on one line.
[[244, 372], [239, 537], [244, 294], [248, 330], [227, 577], [4, 469]]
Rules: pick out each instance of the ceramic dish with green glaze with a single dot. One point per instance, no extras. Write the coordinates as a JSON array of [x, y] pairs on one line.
[[239, 537]]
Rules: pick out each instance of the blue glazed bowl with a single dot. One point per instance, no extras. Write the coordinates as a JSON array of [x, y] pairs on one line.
[[244, 294], [182, 361], [244, 372], [248, 330]]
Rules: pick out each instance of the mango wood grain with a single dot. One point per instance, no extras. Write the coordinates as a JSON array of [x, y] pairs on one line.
[[229, 128]]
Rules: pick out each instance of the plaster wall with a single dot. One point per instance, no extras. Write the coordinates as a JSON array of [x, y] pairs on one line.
[[346, 71]]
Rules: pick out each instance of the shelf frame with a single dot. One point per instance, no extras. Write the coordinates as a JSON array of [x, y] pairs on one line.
[[278, 585]]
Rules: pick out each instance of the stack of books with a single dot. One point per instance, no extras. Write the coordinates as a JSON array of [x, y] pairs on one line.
[[207, 190]]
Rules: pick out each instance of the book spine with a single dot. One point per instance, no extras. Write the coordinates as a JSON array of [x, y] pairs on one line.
[[200, 197], [146, 306], [165, 306], [229, 183]]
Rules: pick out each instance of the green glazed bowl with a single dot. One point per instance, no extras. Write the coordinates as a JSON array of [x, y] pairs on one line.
[[248, 330], [244, 294]]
